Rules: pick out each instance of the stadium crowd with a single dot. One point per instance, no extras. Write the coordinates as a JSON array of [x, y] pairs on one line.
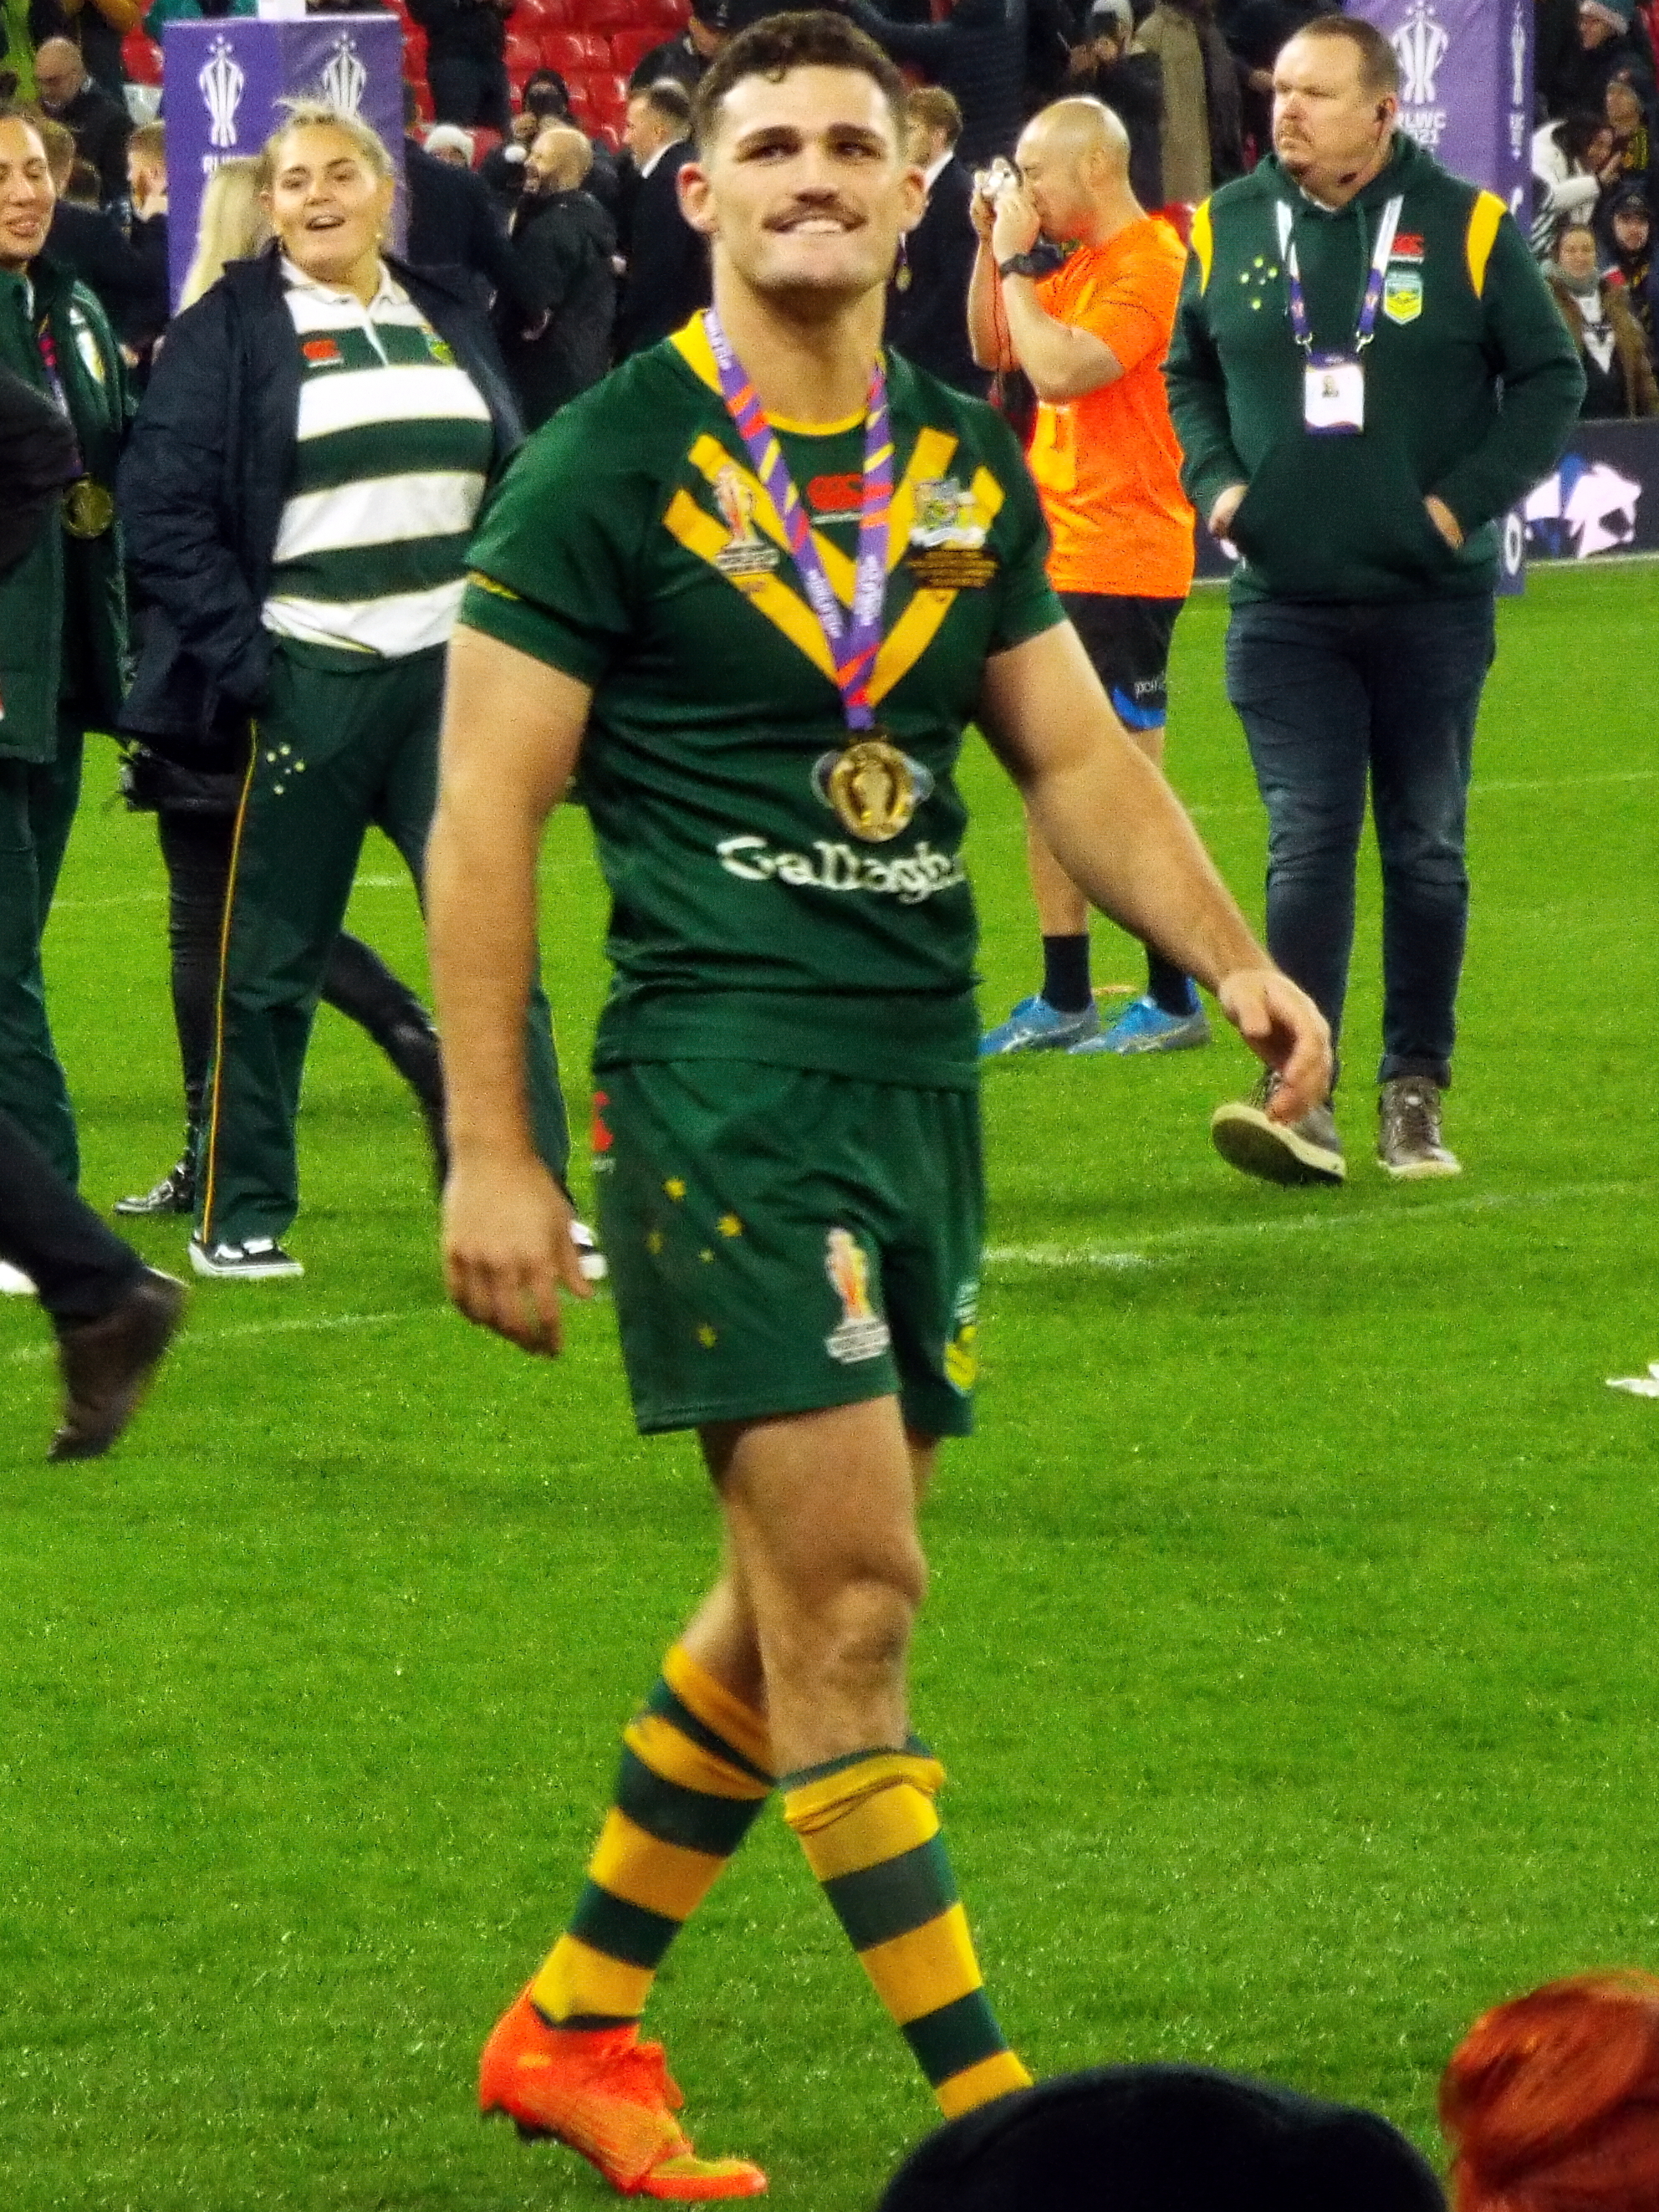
[[271, 499]]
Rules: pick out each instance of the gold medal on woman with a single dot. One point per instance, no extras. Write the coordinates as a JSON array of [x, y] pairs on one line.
[[88, 508], [873, 787]]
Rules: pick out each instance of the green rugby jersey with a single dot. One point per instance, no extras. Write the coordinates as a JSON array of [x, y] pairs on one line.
[[392, 452], [632, 546]]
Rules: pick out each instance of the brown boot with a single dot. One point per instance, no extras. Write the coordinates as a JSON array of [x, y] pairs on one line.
[[106, 1365]]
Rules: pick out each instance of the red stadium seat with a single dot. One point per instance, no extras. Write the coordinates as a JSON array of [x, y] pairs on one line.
[[523, 54], [141, 57], [484, 142], [537, 17], [608, 134], [672, 12], [613, 15], [630, 48], [423, 92], [575, 53]]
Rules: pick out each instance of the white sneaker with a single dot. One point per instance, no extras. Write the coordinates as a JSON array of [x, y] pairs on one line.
[[14, 1283], [261, 1259], [589, 1258]]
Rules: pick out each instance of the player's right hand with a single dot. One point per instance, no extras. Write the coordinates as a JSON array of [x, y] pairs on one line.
[[1285, 1031], [507, 1249]]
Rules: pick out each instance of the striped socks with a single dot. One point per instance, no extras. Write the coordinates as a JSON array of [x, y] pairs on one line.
[[872, 1837], [694, 1773]]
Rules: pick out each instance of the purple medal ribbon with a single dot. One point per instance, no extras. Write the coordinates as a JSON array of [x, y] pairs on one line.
[[854, 641], [1301, 328]]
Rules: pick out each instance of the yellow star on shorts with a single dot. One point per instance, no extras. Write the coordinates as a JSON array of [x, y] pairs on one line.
[[706, 1336], [729, 1226], [675, 1187]]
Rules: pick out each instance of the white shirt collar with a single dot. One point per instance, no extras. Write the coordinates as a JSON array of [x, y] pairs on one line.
[[388, 293], [646, 168], [935, 170]]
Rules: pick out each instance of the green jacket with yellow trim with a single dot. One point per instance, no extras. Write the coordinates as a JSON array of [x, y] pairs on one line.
[[1471, 383], [67, 595]]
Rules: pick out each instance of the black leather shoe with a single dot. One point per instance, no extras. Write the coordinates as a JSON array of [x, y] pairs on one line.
[[106, 1365]]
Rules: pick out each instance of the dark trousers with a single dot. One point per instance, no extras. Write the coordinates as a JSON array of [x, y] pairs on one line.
[[467, 89], [356, 982], [335, 749], [81, 1269], [1332, 698], [37, 811]]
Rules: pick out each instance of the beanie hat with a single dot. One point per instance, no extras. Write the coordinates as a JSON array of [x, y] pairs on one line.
[[1163, 2139], [1616, 14]]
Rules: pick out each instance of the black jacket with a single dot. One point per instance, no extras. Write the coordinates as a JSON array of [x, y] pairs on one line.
[[38, 460], [978, 54], [204, 481], [927, 301], [454, 224], [461, 29], [130, 281], [675, 57], [562, 242], [668, 275], [1132, 88], [102, 128]]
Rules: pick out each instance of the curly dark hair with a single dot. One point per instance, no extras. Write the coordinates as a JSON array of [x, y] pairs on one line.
[[813, 39]]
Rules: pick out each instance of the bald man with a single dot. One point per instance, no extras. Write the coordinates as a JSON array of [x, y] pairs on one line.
[[1090, 325], [555, 337], [100, 125]]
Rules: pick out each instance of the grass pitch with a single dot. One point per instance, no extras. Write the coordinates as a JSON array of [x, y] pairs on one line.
[[1290, 1641]]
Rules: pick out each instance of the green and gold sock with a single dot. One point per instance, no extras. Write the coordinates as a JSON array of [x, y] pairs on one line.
[[872, 1837], [696, 1770]]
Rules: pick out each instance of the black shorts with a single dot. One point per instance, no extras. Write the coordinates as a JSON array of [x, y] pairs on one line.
[[1128, 640]]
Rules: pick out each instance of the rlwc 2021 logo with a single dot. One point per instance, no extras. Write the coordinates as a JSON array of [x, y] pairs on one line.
[[344, 80], [221, 83], [1421, 43]]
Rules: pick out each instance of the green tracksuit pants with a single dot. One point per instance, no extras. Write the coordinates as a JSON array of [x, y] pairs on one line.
[[339, 746], [37, 811]]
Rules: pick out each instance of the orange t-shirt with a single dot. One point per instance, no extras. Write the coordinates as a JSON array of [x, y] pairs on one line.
[[1108, 465]]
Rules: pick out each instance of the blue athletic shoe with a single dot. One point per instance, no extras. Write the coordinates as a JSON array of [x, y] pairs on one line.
[[1036, 1026], [1145, 1027]]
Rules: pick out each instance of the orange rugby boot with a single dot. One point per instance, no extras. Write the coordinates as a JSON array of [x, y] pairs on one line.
[[609, 2096]]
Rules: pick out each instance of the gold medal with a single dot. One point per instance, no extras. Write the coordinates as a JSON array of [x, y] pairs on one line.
[[873, 787], [88, 508]]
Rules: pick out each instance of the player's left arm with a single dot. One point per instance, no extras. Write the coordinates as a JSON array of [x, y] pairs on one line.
[[1063, 360], [512, 728], [1118, 831]]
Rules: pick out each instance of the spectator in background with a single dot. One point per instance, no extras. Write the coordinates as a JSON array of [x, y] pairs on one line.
[[467, 59], [688, 54], [1107, 67], [230, 225], [147, 232], [927, 299], [557, 342], [453, 222], [502, 169], [1203, 135], [1619, 377], [1630, 248], [1608, 46], [977, 53], [447, 142], [101, 126], [1254, 31], [1632, 136], [163, 12], [667, 276], [1570, 160], [89, 241], [98, 27]]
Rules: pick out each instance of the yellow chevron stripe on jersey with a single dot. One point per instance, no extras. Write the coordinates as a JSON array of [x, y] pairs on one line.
[[1481, 236], [710, 458], [932, 457], [919, 625], [701, 534], [1203, 243]]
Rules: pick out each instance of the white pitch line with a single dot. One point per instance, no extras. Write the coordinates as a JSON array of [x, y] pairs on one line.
[[193, 1338], [1298, 1225]]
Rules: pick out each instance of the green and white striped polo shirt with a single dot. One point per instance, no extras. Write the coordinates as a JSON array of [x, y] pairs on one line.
[[392, 456]]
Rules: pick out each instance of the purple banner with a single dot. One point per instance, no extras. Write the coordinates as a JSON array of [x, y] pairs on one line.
[[222, 82], [1466, 86]]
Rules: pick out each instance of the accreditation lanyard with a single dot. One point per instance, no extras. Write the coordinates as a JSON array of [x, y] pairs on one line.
[[855, 639], [1334, 384], [47, 345]]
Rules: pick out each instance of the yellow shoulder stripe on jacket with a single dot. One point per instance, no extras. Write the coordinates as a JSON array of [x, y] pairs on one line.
[[1203, 243], [1480, 237]]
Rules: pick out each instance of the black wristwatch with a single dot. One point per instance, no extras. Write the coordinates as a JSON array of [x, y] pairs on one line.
[[1025, 265]]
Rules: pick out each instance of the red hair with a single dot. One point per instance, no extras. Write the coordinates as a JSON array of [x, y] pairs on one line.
[[1551, 2103]]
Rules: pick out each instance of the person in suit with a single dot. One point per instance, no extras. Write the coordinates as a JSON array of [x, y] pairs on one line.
[[928, 299], [564, 242], [667, 262], [101, 126]]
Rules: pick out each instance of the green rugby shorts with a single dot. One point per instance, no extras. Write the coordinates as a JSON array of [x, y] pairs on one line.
[[781, 1241]]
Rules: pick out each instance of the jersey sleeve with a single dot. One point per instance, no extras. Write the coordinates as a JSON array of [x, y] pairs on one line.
[[1132, 312], [554, 564], [1026, 605]]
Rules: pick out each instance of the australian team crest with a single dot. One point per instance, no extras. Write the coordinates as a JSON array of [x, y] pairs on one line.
[[1402, 282]]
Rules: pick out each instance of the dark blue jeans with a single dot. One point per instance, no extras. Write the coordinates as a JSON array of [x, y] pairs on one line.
[[1332, 698]]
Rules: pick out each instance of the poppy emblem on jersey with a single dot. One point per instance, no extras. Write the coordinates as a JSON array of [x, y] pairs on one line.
[[745, 552], [836, 499], [861, 1333], [322, 353], [1402, 294], [1407, 246], [603, 1138]]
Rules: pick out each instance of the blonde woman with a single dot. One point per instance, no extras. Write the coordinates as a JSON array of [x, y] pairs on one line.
[[231, 227], [302, 486]]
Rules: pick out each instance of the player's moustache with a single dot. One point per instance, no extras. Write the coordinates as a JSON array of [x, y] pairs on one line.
[[814, 210]]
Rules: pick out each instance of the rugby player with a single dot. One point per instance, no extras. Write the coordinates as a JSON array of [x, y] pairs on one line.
[[787, 1145]]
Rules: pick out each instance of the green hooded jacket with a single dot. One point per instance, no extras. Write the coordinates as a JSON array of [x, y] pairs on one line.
[[1471, 383], [33, 598]]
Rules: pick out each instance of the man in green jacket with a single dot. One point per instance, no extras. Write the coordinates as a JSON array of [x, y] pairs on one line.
[[1367, 372], [63, 624]]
